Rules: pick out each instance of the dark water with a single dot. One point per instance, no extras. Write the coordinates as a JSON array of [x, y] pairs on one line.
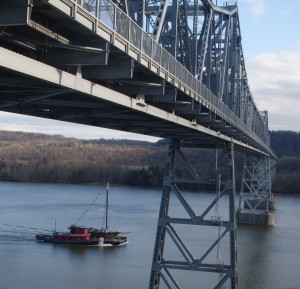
[[268, 258]]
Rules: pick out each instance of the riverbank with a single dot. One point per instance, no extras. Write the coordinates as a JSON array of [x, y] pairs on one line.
[[29, 157]]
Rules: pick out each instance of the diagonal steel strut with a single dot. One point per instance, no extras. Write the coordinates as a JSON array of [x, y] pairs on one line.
[[163, 268]]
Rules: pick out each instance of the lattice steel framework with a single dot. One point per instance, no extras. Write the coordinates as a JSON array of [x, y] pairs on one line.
[[162, 267], [256, 185], [206, 39]]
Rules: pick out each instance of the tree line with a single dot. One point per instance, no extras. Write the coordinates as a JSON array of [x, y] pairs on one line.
[[286, 146], [30, 157]]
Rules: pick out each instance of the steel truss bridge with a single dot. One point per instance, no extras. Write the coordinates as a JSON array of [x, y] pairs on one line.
[[171, 69]]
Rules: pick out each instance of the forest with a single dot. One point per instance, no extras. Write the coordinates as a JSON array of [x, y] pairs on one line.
[[31, 157]]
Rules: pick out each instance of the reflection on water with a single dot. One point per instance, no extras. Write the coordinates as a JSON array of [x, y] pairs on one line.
[[268, 258]]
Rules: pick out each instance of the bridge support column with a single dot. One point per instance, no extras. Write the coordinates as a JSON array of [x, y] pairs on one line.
[[230, 186], [256, 200], [177, 228], [161, 225]]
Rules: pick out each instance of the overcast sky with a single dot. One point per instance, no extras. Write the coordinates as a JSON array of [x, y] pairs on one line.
[[271, 45]]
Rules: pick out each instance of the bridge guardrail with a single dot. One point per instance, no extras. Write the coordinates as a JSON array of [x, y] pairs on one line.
[[114, 18]]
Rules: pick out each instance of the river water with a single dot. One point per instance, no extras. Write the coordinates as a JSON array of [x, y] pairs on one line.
[[267, 258]]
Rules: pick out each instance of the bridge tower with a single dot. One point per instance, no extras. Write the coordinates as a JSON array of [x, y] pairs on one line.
[[177, 228], [256, 199]]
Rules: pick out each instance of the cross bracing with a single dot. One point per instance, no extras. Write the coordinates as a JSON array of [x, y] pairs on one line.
[[170, 230], [255, 193]]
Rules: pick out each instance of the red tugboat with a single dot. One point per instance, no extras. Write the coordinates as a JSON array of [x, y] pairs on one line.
[[87, 236], [79, 236]]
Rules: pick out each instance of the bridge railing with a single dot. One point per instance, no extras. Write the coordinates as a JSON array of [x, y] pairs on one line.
[[114, 18]]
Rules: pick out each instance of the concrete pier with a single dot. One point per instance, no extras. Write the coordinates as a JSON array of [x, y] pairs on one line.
[[260, 218]]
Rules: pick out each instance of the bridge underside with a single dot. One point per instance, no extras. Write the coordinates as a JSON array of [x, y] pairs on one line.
[[36, 89]]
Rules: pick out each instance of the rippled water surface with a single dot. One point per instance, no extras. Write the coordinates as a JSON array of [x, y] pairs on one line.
[[268, 258]]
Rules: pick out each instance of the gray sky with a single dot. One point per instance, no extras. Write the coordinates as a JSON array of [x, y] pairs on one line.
[[271, 45]]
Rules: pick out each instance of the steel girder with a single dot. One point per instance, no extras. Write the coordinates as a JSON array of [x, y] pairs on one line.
[[185, 38], [163, 268]]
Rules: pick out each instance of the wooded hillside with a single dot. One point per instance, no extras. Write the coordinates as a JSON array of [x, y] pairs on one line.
[[286, 145], [30, 157]]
